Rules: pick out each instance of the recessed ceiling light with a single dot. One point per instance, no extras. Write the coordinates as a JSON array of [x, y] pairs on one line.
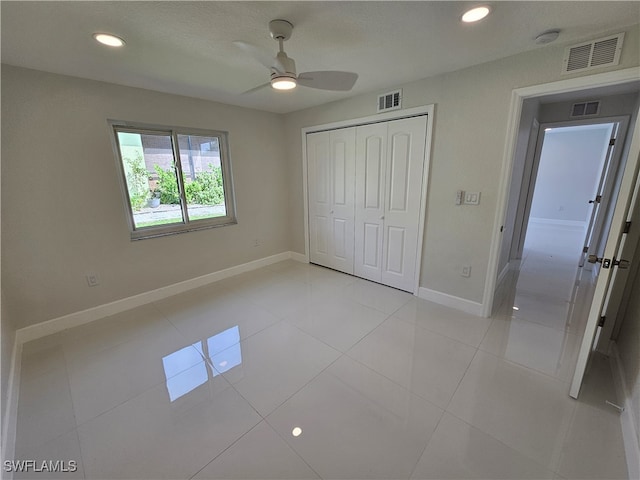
[[475, 14], [108, 39]]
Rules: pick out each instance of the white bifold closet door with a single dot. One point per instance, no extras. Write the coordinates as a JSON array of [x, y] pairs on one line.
[[365, 190], [389, 171], [331, 186]]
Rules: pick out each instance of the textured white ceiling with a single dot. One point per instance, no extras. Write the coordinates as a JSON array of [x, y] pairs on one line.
[[186, 47]]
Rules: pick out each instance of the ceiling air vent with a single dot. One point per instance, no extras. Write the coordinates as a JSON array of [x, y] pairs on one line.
[[599, 53], [390, 101], [585, 109]]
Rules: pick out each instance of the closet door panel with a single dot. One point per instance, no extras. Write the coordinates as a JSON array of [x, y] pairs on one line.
[[319, 191], [405, 164], [395, 248], [371, 141], [331, 190], [342, 179], [399, 163]]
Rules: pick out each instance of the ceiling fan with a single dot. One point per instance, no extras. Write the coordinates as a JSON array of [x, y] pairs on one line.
[[283, 67]]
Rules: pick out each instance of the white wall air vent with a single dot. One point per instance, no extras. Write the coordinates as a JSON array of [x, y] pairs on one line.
[[390, 101], [585, 109], [603, 52]]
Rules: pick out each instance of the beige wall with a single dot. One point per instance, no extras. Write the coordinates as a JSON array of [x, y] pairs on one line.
[[62, 209], [470, 126], [7, 335], [63, 215]]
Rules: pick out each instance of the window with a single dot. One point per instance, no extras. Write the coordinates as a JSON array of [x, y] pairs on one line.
[[175, 180]]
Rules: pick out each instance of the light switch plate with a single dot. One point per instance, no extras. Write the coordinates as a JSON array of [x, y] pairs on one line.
[[472, 198]]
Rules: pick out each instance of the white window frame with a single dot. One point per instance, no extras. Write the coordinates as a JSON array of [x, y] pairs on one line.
[[187, 225]]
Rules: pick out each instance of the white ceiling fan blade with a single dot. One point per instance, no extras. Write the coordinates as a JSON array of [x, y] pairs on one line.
[[260, 55], [255, 89], [328, 80]]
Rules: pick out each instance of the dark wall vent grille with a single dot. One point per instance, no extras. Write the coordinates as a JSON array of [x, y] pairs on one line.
[[390, 101], [585, 109]]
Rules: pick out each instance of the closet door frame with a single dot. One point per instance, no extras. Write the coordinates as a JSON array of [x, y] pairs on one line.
[[427, 110]]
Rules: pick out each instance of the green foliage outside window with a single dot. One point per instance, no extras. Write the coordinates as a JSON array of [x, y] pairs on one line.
[[137, 181], [206, 189]]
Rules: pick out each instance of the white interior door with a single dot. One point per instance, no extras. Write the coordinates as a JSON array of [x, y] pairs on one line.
[[371, 163], [595, 202], [620, 275], [403, 193], [624, 211], [595, 241], [331, 186]]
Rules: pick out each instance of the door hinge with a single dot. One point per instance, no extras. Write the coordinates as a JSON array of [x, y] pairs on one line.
[[602, 320], [585, 249], [627, 227], [598, 199], [612, 142]]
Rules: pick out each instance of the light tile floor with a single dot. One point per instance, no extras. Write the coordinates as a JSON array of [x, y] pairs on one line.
[[214, 383]]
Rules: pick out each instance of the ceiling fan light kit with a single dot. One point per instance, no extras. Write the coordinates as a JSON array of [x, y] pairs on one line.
[[283, 82], [283, 67]]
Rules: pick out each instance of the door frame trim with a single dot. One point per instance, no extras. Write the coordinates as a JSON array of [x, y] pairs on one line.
[[518, 96], [427, 110]]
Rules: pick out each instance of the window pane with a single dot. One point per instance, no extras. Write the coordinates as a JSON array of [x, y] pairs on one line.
[[151, 178], [202, 176]]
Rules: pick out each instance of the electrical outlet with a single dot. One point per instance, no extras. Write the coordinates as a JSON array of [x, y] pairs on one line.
[[92, 280], [256, 242], [459, 197], [465, 271]]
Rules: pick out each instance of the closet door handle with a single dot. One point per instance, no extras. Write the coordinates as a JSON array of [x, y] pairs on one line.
[[382, 217]]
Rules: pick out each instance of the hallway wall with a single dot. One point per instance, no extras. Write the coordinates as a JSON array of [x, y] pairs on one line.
[[568, 174]]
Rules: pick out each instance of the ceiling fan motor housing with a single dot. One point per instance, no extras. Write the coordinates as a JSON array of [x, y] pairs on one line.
[[285, 64], [280, 29]]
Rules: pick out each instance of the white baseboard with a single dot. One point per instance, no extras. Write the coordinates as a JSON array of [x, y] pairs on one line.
[[75, 319], [10, 420], [299, 257], [468, 306], [627, 418], [558, 222]]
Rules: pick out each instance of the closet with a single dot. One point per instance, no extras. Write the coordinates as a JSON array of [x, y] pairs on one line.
[[365, 193]]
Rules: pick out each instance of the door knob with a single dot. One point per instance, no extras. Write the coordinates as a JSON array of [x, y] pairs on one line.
[[382, 217], [623, 264], [594, 259]]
